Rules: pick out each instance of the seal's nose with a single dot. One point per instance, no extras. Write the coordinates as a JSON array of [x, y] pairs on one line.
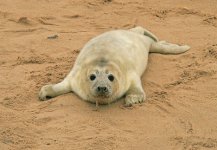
[[102, 89]]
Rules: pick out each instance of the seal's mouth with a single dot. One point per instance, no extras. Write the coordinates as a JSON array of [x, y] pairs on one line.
[[97, 94], [102, 99], [102, 96]]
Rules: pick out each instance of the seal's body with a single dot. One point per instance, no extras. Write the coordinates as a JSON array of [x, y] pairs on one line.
[[110, 66]]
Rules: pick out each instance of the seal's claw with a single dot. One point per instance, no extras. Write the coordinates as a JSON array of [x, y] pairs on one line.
[[45, 92], [133, 99]]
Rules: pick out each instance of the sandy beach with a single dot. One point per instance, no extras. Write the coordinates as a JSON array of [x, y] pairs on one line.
[[39, 42]]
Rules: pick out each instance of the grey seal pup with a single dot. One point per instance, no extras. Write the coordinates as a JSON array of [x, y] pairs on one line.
[[110, 66]]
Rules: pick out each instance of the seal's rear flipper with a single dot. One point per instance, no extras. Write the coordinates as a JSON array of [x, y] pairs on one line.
[[164, 47], [143, 31]]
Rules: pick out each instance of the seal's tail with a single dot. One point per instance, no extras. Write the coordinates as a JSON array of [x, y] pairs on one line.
[[164, 47]]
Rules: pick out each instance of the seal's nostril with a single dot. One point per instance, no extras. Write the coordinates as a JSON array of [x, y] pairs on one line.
[[104, 89], [98, 89]]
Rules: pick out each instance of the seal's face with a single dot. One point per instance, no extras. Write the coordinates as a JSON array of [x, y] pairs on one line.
[[102, 84]]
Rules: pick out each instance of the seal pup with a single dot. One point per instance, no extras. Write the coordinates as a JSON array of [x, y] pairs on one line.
[[110, 66]]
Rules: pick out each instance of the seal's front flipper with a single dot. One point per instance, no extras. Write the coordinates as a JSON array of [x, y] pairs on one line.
[[53, 90], [135, 94], [134, 99]]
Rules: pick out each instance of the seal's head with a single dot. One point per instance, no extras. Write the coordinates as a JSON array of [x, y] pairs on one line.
[[103, 84]]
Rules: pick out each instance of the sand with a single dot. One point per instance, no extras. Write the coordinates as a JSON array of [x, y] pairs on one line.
[[39, 42]]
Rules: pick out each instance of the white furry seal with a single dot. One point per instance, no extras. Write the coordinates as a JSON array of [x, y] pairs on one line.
[[110, 66]]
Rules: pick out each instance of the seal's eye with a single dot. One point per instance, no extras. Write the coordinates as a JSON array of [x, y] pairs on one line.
[[92, 77], [111, 77]]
